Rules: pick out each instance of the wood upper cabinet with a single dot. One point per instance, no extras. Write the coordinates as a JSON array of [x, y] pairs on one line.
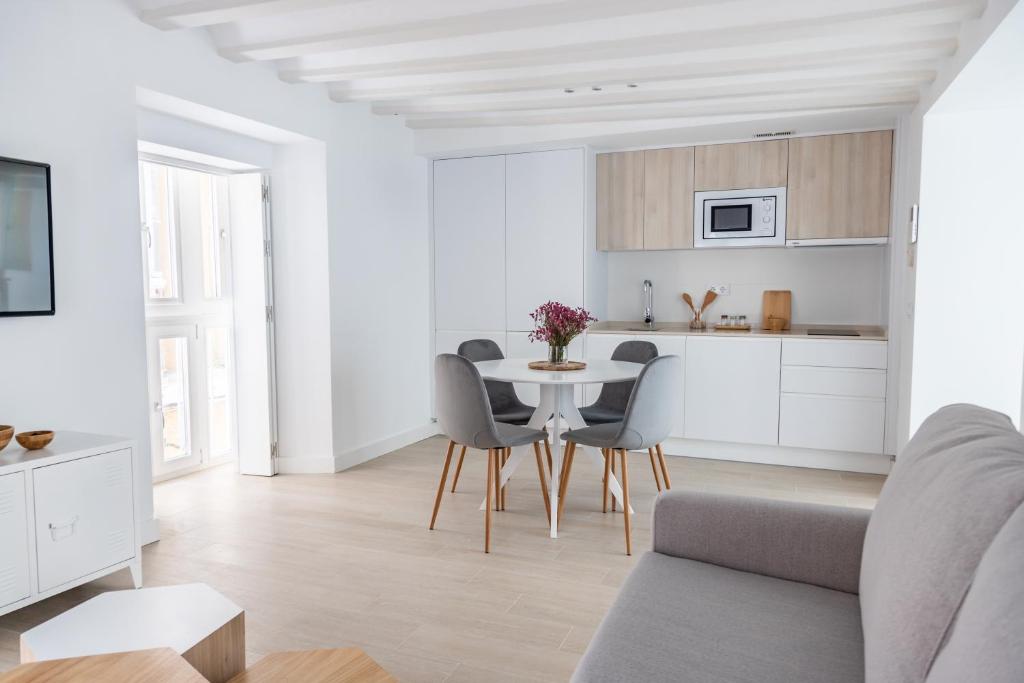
[[620, 201], [668, 198], [839, 186], [645, 200], [741, 165]]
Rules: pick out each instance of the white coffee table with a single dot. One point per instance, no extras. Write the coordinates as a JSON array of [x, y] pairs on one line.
[[197, 622]]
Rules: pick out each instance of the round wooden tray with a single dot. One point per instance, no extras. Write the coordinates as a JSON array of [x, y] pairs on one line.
[[557, 367]]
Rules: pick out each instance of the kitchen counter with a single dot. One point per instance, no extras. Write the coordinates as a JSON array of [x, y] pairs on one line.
[[867, 332]]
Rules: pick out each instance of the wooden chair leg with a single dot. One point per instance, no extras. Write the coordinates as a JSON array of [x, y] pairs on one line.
[[654, 468], [440, 486], [664, 468], [611, 457], [543, 480], [458, 468], [551, 464], [607, 466], [505, 454], [492, 462], [497, 479], [563, 485], [625, 501]]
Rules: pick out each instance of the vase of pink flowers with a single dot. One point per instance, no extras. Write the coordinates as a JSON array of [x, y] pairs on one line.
[[558, 324]]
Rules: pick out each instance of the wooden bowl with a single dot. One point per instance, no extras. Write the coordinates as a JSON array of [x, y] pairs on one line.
[[34, 440], [6, 434]]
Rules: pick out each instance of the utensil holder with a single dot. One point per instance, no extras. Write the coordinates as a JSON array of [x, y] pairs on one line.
[[698, 322]]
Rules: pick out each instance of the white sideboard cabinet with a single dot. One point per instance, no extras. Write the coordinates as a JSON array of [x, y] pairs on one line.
[[68, 515]]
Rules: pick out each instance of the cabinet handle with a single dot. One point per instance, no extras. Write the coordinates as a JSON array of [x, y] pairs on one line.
[[56, 527]]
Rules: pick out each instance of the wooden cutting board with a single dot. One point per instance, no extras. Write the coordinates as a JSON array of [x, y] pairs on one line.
[[777, 303]]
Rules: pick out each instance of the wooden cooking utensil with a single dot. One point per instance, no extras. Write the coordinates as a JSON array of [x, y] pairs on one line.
[[709, 298], [689, 302]]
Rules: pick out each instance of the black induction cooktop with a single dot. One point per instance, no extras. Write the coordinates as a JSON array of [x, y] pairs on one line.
[[831, 332]]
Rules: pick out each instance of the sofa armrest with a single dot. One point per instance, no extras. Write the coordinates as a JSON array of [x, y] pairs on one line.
[[816, 544]]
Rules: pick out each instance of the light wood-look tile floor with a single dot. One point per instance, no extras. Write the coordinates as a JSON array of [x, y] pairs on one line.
[[346, 559]]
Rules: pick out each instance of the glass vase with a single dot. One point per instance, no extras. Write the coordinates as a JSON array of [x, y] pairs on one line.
[[557, 354]]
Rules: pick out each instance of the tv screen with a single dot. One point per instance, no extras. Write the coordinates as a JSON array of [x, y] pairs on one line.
[[26, 239]]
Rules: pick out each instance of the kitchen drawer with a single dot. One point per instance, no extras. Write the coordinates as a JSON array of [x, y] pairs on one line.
[[14, 571], [801, 379], [834, 353], [84, 516], [834, 423]]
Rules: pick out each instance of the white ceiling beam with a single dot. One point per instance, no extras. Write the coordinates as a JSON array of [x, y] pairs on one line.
[[923, 20], [904, 56], [198, 13], [725, 107], [876, 82], [442, 28]]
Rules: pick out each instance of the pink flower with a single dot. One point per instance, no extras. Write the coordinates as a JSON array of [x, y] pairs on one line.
[[557, 324]]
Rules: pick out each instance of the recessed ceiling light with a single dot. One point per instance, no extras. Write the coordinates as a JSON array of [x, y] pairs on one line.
[[596, 88], [569, 91]]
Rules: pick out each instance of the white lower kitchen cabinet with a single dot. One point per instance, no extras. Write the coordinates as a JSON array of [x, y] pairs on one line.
[[520, 346], [732, 389], [14, 560], [68, 515], [601, 347], [833, 395], [833, 423]]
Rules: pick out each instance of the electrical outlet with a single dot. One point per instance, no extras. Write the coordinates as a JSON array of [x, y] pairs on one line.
[[720, 290]]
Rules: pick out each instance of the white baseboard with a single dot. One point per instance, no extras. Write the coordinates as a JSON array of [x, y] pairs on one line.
[[780, 455], [357, 456], [306, 464], [150, 530]]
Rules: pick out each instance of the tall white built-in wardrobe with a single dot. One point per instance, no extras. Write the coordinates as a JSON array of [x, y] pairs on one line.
[[509, 235]]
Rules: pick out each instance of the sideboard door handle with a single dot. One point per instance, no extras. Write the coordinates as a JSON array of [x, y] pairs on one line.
[[59, 530]]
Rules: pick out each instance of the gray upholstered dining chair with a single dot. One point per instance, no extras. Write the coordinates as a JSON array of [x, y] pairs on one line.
[[647, 422], [465, 415], [505, 403], [610, 405]]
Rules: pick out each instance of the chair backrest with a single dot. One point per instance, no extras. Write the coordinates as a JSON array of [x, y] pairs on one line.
[[953, 488], [652, 405], [615, 395], [462, 406], [502, 395]]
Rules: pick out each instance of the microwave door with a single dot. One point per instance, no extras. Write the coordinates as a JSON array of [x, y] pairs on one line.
[[730, 220]]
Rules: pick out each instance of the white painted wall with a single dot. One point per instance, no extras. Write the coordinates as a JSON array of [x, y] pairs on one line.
[[907, 178], [72, 71], [380, 292], [972, 236], [829, 284], [172, 131]]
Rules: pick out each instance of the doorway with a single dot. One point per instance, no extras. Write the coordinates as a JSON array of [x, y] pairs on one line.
[[208, 316]]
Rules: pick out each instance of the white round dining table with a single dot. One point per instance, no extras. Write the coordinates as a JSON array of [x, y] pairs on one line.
[[557, 404]]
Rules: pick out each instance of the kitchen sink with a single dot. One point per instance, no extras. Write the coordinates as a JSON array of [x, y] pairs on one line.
[[642, 329]]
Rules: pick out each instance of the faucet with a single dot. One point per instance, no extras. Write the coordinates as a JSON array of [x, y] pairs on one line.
[[648, 302]]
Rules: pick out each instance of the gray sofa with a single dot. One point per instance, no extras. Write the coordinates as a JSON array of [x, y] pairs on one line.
[[927, 587]]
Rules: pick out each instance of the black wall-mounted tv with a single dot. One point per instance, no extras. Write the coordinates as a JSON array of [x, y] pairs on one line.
[[26, 239]]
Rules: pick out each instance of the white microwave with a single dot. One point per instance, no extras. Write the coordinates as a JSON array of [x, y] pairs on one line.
[[740, 218]]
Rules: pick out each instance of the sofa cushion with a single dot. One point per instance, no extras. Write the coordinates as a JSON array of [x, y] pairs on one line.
[[951, 490], [681, 620], [987, 640]]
